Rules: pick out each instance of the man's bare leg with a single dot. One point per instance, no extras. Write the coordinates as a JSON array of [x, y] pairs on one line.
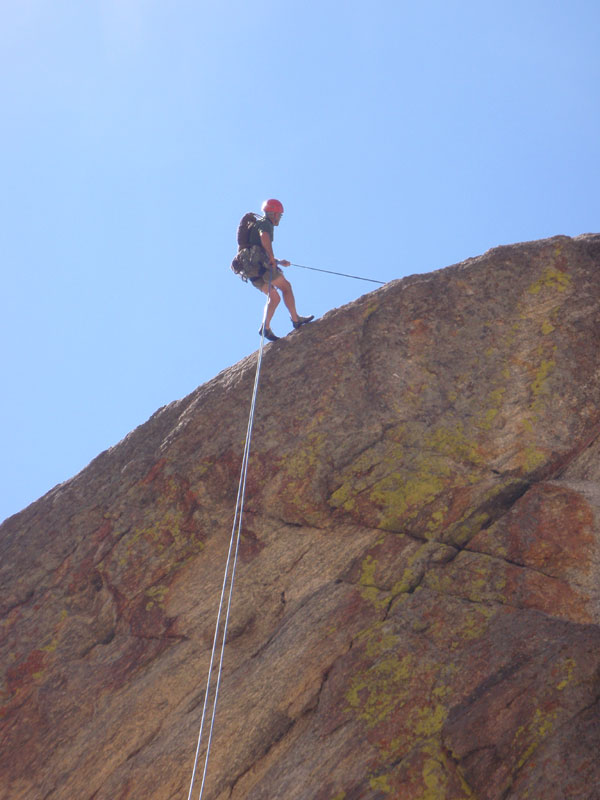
[[285, 286], [273, 303]]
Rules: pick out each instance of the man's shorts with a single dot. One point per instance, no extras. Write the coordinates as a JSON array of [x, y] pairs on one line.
[[255, 266]]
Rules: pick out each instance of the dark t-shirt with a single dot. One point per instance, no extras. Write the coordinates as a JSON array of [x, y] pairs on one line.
[[261, 224]]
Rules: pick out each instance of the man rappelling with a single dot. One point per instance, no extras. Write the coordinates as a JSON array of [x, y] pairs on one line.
[[255, 262]]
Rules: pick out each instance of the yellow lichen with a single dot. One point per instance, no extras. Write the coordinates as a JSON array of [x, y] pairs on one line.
[[374, 695], [435, 780], [302, 462], [527, 425], [569, 667], [370, 309], [381, 783], [437, 519], [547, 327], [532, 458], [400, 496], [494, 402], [429, 720], [51, 647], [541, 376], [157, 596], [533, 734], [415, 565], [368, 588], [480, 581], [552, 278]]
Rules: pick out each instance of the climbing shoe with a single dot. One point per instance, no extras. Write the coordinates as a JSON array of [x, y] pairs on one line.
[[302, 321], [268, 334]]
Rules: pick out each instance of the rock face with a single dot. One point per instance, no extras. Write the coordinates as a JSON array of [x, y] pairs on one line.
[[417, 602]]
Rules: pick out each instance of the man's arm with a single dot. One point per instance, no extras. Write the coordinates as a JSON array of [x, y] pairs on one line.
[[265, 240]]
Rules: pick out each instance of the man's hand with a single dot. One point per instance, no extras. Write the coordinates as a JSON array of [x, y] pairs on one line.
[[283, 263]]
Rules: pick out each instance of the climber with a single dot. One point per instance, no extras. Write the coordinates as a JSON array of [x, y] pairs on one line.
[[261, 267]]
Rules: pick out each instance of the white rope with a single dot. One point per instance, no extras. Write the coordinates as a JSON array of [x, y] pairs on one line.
[[234, 541]]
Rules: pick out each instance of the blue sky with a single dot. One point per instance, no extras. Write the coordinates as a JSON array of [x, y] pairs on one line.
[[401, 138]]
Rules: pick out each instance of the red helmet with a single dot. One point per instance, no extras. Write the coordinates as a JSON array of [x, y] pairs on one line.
[[272, 206]]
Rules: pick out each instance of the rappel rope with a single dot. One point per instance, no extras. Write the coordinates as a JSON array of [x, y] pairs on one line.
[[232, 557], [343, 274], [230, 565]]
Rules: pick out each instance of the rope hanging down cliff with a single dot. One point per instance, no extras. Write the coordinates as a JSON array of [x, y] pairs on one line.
[[228, 581]]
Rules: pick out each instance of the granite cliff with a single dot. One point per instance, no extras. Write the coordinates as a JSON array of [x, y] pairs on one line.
[[417, 601]]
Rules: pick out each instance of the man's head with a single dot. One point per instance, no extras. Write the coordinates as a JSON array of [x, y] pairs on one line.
[[272, 209]]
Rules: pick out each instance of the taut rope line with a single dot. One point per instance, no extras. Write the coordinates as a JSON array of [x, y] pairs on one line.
[[234, 542], [343, 274]]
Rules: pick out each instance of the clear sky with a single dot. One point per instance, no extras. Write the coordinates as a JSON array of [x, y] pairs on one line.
[[400, 137]]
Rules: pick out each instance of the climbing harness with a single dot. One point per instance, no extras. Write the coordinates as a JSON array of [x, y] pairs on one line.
[[228, 578], [343, 274]]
